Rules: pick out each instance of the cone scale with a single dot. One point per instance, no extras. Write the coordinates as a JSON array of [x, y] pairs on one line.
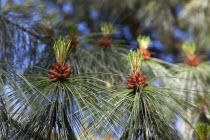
[[60, 72]]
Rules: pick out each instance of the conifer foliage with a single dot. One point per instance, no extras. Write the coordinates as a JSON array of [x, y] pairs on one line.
[[59, 82]]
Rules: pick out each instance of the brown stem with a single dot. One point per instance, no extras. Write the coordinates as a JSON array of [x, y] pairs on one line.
[[22, 28]]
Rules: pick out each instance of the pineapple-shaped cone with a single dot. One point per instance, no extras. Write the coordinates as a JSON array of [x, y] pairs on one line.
[[105, 41], [74, 42], [192, 59], [61, 70], [136, 79]]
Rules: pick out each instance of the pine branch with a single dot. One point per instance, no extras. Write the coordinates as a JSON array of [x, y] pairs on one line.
[[164, 62], [22, 28]]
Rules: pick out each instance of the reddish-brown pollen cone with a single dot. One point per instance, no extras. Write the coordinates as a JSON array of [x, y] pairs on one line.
[[74, 42], [193, 61], [60, 72], [136, 80], [105, 42], [146, 54]]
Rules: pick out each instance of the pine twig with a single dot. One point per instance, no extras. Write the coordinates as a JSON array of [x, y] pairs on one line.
[[164, 62], [22, 28]]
